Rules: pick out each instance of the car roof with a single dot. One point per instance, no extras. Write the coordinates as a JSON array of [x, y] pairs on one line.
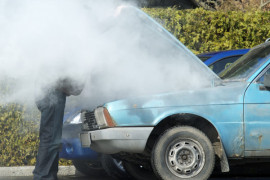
[[214, 56]]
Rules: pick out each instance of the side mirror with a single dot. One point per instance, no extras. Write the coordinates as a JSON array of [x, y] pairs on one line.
[[266, 80]]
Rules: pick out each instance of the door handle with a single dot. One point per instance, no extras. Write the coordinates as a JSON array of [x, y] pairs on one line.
[[264, 88]]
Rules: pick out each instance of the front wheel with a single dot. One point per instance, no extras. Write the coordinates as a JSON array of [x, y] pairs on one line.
[[183, 152]]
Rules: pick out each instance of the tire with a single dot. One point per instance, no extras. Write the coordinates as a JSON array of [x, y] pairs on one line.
[[114, 167], [183, 152], [138, 172], [89, 168]]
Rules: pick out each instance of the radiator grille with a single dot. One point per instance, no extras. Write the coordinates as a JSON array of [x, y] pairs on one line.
[[89, 121]]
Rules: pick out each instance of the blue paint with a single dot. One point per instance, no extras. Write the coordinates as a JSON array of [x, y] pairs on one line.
[[72, 149], [216, 56], [224, 111]]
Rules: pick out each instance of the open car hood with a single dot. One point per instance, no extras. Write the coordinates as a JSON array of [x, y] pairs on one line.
[[172, 47]]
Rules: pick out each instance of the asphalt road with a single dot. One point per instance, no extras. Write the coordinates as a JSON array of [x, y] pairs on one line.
[[258, 171], [108, 178], [105, 177]]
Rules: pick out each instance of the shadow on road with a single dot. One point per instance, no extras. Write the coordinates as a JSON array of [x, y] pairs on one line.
[[258, 171]]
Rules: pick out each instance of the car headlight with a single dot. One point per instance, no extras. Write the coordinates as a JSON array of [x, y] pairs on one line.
[[74, 119], [98, 119], [103, 118]]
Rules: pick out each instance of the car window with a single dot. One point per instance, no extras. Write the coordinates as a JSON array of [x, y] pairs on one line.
[[204, 58], [222, 64], [246, 65], [260, 80]]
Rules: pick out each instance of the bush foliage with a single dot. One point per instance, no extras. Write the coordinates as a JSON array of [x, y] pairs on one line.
[[18, 137], [204, 31], [198, 29], [19, 133]]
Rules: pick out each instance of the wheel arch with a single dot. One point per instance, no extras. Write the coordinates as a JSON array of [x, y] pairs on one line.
[[199, 122]]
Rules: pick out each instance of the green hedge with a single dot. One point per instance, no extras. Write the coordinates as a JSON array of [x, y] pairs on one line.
[[198, 29], [19, 135], [204, 31]]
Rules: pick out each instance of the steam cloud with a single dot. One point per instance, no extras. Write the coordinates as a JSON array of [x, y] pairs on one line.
[[116, 50]]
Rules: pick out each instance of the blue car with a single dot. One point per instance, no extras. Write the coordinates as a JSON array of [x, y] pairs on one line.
[[85, 160], [71, 146], [218, 61]]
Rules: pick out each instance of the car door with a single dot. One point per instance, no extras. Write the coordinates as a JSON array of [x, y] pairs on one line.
[[257, 117]]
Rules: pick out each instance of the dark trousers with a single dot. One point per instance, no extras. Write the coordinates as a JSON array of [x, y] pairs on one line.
[[52, 111]]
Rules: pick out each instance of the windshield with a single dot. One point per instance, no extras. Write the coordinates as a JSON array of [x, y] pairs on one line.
[[245, 66]]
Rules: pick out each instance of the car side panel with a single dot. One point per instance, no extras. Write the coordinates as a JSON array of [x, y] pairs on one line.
[[257, 122], [228, 121]]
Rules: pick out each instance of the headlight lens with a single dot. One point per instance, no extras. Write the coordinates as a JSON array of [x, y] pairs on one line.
[[103, 118], [74, 119]]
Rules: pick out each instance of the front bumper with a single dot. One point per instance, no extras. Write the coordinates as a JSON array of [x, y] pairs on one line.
[[115, 140]]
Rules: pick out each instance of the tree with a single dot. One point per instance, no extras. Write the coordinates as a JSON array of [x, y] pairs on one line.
[[264, 3]]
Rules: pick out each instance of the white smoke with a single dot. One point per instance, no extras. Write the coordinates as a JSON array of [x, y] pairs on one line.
[[115, 49]]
